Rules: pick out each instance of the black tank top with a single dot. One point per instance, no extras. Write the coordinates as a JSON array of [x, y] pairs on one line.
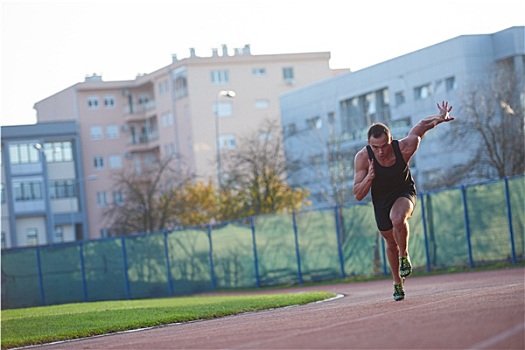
[[390, 182]]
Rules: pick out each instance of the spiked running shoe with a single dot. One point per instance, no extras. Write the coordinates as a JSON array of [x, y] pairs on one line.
[[399, 293], [405, 267]]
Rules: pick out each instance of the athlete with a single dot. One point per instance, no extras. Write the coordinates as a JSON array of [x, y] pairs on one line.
[[382, 166]]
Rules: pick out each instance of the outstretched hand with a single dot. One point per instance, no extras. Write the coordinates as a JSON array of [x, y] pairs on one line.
[[444, 111]]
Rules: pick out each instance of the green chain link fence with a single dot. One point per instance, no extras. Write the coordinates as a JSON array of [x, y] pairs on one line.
[[465, 226]]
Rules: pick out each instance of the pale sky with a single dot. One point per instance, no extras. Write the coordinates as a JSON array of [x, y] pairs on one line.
[[48, 46]]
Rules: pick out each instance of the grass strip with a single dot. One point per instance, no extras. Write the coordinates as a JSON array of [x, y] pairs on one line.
[[39, 325]]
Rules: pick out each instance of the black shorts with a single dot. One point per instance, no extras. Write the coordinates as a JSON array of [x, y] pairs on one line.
[[382, 213]]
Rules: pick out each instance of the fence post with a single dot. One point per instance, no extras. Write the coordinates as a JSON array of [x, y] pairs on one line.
[[212, 269], [467, 225], [125, 263], [297, 251], [383, 252], [168, 266], [425, 234], [40, 278], [83, 270], [255, 256], [339, 239], [509, 215]]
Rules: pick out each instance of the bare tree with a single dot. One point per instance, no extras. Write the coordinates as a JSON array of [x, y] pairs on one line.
[[491, 119], [148, 199], [257, 172], [330, 167]]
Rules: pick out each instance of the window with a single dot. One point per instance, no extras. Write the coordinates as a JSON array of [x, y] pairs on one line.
[[59, 234], [92, 102], [314, 122], [143, 99], [180, 87], [291, 129], [262, 104], [96, 132], [115, 162], [223, 109], [32, 236], [4, 243], [359, 112], [227, 142], [62, 188], [98, 162], [149, 158], [400, 98], [3, 193], [166, 119], [163, 87], [27, 191], [105, 232], [118, 197], [259, 72], [331, 118], [101, 199], [288, 74], [109, 101], [180, 83], [112, 131], [401, 126], [220, 76], [58, 151], [450, 84], [371, 106], [422, 92], [23, 153], [169, 149]]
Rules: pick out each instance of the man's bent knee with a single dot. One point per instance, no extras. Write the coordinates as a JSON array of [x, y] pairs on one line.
[[398, 221], [401, 212]]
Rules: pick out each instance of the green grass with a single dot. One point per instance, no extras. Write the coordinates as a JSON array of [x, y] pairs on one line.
[[38, 325]]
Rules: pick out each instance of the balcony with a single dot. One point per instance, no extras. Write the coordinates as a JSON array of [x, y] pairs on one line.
[[139, 112], [144, 142]]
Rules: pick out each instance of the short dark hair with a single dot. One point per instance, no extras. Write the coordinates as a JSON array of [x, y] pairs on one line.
[[378, 129]]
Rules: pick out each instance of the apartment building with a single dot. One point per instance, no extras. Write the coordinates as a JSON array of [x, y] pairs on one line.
[[196, 108], [43, 192], [326, 123]]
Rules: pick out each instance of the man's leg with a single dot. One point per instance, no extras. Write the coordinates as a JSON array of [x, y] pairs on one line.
[[399, 215], [392, 253]]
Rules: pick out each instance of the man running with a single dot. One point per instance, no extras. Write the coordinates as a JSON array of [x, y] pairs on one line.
[[383, 167]]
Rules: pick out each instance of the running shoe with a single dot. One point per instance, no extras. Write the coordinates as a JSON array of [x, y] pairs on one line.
[[405, 267], [399, 293]]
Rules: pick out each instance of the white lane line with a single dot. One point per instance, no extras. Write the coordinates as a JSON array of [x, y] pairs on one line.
[[488, 343]]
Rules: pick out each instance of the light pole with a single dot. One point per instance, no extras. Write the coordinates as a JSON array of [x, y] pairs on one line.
[[49, 212], [75, 195], [224, 93]]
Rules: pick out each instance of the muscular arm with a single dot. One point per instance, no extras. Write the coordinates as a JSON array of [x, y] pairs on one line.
[[363, 175], [410, 144]]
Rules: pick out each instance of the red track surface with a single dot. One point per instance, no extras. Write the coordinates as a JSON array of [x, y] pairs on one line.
[[476, 310]]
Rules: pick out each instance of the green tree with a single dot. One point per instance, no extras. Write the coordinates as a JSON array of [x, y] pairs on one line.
[[199, 203]]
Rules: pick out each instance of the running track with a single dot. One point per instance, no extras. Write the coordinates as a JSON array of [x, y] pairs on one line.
[[475, 310]]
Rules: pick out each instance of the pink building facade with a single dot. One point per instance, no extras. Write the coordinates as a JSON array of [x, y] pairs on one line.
[[186, 109]]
